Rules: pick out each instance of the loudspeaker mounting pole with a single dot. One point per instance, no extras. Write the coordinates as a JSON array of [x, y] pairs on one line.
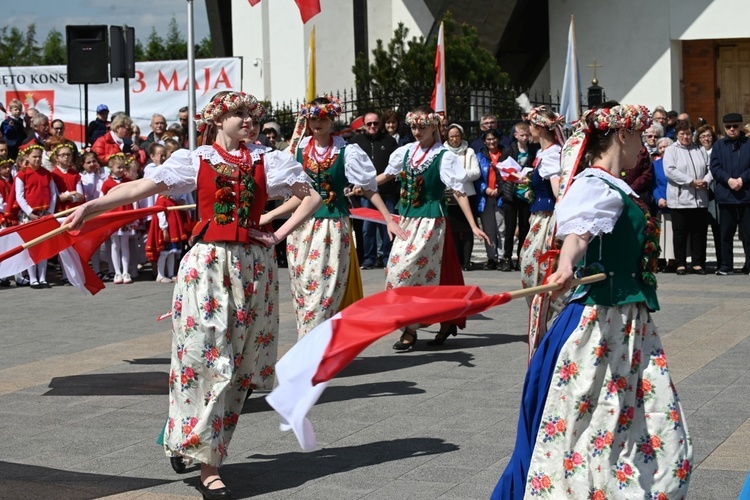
[[86, 114]]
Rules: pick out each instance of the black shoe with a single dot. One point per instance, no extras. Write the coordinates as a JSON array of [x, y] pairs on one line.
[[249, 393], [5, 283], [490, 265], [178, 464], [217, 494], [406, 346], [681, 272], [44, 284], [467, 267], [505, 266], [745, 270], [379, 264], [366, 266], [35, 285], [441, 336], [516, 265], [699, 270]]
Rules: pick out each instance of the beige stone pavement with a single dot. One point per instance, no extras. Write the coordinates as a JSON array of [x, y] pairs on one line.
[[690, 345]]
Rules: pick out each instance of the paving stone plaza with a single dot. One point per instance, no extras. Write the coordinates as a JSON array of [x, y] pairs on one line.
[[83, 384]]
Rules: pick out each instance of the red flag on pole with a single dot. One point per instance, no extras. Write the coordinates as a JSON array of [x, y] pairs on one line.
[[307, 8], [438, 92]]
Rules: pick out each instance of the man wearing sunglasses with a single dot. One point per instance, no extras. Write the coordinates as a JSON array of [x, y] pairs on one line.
[[730, 167], [378, 145]]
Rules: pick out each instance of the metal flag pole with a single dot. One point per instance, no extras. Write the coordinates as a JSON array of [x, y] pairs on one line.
[[191, 72]]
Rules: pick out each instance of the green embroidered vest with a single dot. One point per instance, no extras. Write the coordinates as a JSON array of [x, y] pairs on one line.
[[330, 184], [422, 194], [620, 254]]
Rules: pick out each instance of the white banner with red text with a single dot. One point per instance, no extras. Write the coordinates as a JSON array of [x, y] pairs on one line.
[[158, 87]]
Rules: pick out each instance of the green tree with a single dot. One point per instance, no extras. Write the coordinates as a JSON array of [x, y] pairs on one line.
[[140, 52], [53, 51], [408, 63], [175, 46], [154, 46], [30, 51], [204, 49]]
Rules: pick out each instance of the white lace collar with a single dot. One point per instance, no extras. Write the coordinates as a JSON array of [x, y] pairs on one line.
[[338, 144], [602, 174], [553, 149], [416, 149], [209, 154]]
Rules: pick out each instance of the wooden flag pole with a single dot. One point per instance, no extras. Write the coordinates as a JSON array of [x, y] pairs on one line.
[[534, 290]]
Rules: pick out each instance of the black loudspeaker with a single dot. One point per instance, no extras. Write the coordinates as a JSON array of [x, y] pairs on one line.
[[122, 52], [88, 54]]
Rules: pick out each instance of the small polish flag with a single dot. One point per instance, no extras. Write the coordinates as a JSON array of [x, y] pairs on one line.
[[303, 373]]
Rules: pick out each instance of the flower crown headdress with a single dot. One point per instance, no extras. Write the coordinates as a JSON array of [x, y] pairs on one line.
[[60, 146], [330, 110], [422, 119], [28, 148], [554, 124], [631, 117], [226, 103], [6, 161]]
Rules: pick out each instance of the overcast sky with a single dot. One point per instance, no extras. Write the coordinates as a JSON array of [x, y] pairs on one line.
[[140, 14]]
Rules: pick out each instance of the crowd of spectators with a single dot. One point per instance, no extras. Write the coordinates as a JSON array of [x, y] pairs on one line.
[[691, 176]]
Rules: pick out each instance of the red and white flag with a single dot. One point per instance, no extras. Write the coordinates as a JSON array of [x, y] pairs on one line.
[[307, 8], [15, 259], [438, 92], [88, 239], [303, 372]]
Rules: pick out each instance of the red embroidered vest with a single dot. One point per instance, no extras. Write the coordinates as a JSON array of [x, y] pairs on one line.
[[230, 200], [66, 181], [36, 187]]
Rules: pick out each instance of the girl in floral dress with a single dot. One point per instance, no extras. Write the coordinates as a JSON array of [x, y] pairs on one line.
[[224, 320], [320, 251], [600, 417], [426, 168], [546, 129]]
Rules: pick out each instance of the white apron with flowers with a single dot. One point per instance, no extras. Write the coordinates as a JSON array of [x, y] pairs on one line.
[[612, 425], [537, 243], [224, 343], [318, 253], [417, 260]]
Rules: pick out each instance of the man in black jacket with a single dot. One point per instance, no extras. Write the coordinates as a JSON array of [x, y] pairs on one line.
[[730, 168], [378, 145]]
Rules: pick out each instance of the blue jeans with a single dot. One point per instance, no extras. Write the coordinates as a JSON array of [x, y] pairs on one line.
[[371, 231]]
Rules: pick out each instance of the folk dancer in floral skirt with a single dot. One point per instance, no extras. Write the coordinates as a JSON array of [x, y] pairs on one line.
[[320, 251], [224, 321], [426, 168], [600, 417], [546, 129]]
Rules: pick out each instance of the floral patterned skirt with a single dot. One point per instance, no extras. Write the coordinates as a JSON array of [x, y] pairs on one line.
[[538, 242], [224, 341], [612, 425], [416, 261], [318, 255]]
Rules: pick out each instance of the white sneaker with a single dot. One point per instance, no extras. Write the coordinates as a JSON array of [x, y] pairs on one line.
[[118, 279], [126, 279]]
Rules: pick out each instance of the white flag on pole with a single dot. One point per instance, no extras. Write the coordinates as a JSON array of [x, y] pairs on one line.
[[570, 103]]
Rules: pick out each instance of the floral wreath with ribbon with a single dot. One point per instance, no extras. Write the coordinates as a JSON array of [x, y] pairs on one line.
[[6, 161], [553, 125], [331, 109], [422, 119], [227, 103]]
